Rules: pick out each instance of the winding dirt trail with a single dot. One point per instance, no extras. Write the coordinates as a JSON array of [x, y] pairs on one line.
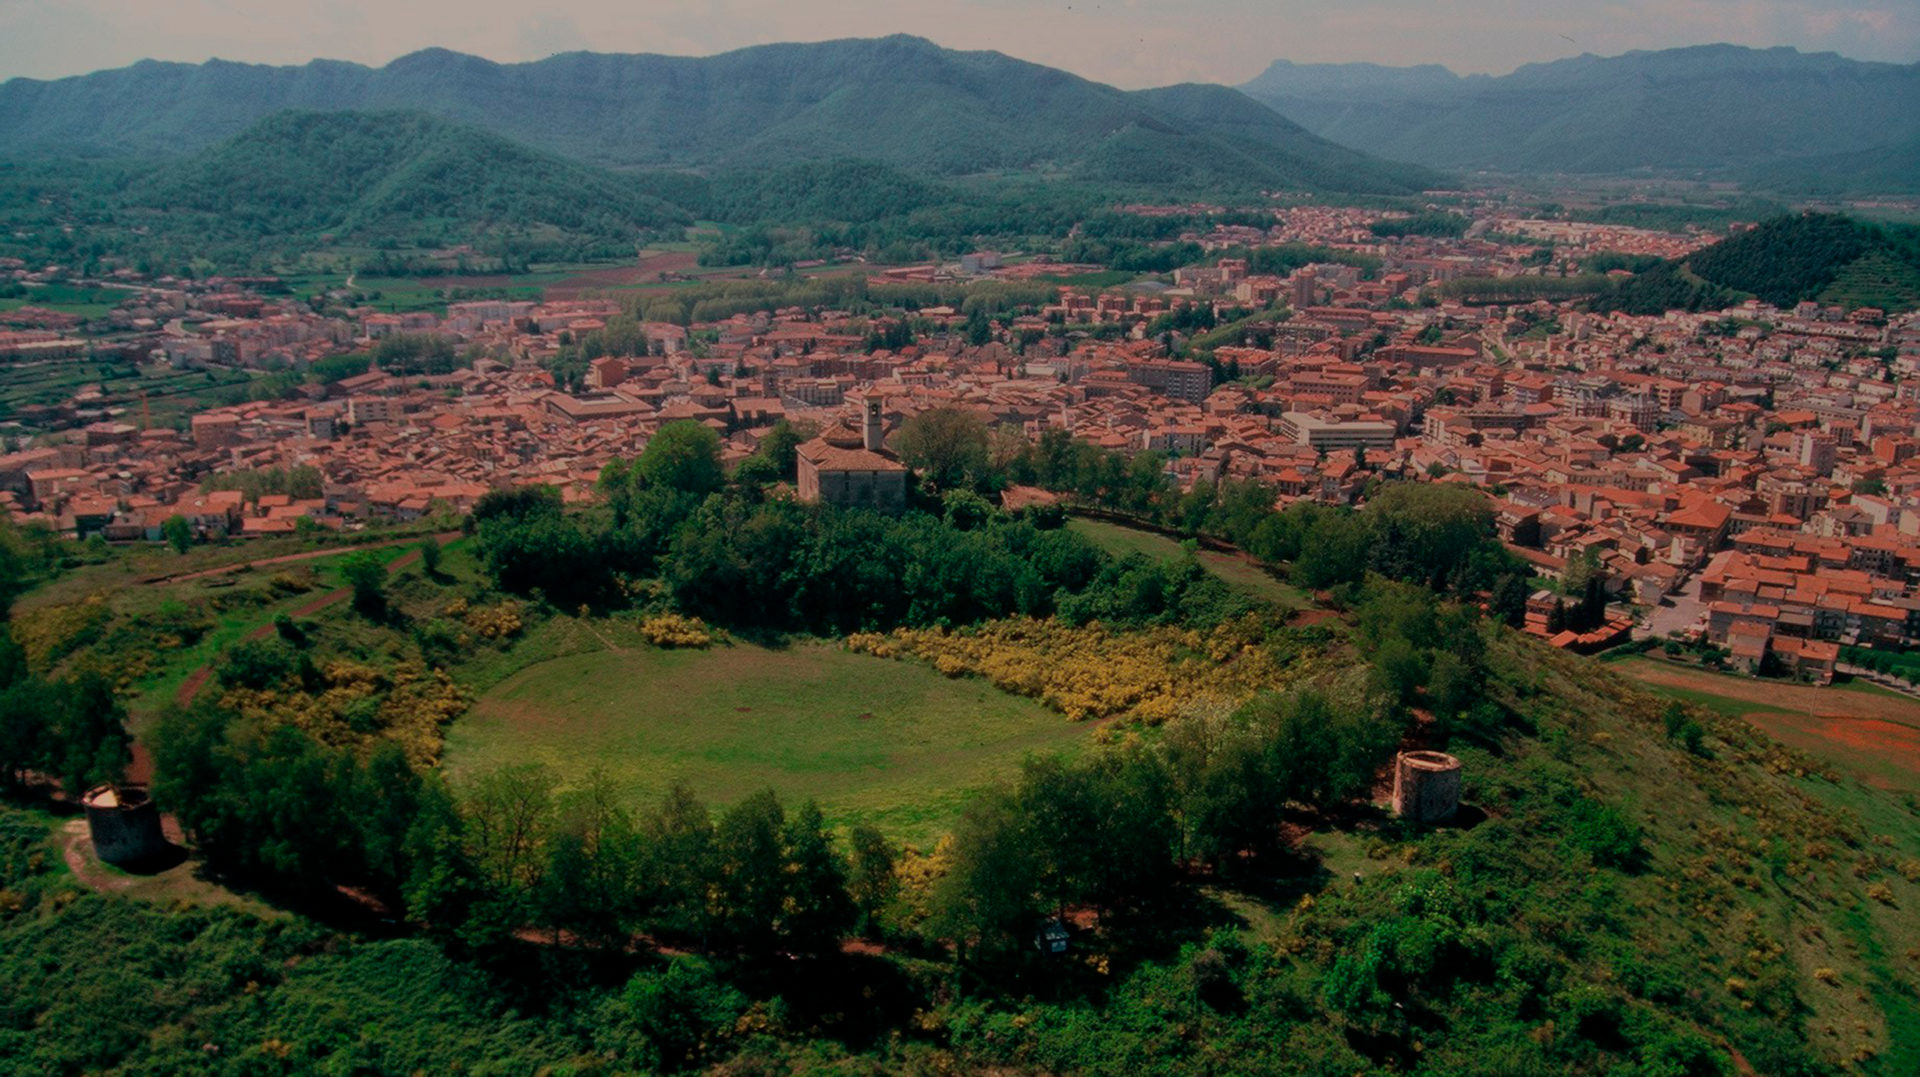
[[190, 687], [443, 538]]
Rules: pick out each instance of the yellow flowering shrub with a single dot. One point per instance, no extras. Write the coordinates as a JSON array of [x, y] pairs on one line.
[[360, 704], [494, 622], [1091, 671], [673, 630], [48, 633]]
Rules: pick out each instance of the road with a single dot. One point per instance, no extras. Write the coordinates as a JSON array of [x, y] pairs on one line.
[[1686, 610]]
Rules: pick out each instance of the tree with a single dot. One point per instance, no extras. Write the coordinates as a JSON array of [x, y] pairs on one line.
[[509, 813], [986, 901], [1509, 599], [517, 503], [750, 854], [1683, 729], [367, 575], [871, 882], [26, 706], [87, 741], [388, 798], [947, 446], [817, 909], [1422, 530], [780, 449], [178, 533], [587, 886], [430, 555], [682, 455], [669, 1020], [677, 862]]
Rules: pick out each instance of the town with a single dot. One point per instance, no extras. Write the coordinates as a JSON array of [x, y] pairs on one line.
[[1026, 540], [1746, 475]]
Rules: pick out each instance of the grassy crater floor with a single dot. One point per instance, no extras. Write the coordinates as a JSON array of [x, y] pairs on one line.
[[892, 743]]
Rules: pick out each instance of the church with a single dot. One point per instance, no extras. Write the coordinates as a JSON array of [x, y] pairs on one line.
[[853, 468]]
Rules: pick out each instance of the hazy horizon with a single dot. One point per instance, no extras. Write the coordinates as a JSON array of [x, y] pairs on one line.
[[1127, 44]]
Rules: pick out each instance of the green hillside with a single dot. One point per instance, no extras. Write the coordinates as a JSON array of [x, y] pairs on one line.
[[1620, 903], [1785, 261], [384, 174], [816, 192], [900, 101]]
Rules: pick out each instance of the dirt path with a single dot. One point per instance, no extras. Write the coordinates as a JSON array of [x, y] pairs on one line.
[[76, 848], [442, 538], [190, 687]]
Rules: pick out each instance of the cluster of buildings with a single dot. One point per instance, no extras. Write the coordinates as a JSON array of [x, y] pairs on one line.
[[1753, 469]]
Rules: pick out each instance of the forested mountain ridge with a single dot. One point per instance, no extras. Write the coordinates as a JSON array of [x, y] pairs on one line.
[[1785, 261], [378, 173], [900, 101], [1760, 113]]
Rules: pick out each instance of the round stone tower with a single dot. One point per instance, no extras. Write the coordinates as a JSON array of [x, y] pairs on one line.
[[124, 824], [1426, 786]]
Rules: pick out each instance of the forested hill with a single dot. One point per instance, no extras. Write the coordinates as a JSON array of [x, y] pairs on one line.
[[1779, 115], [394, 174], [1784, 261], [899, 100]]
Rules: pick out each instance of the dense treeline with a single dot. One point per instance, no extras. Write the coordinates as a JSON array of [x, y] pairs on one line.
[[720, 300], [70, 730], [1431, 534], [726, 553], [302, 481], [1782, 261], [1788, 259]]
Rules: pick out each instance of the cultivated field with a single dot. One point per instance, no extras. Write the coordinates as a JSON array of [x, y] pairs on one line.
[[1864, 731], [888, 742]]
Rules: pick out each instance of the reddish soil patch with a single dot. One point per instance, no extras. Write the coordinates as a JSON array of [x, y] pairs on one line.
[[496, 280], [1304, 618], [1833, 702], [646, 271], [1881, 750]]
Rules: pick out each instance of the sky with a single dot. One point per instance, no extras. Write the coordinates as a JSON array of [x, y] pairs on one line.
[[1128, 43]]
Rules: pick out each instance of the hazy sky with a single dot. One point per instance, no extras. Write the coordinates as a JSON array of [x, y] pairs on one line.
[[1130, 43]]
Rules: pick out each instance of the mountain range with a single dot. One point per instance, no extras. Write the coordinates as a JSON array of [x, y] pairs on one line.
[[900, 101], [1786, 119]]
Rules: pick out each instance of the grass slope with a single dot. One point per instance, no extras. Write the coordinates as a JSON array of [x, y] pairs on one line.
[[1860, 730], [892, 743]]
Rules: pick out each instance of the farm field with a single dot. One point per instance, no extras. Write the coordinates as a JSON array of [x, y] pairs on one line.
[[892, 743], [68, 298], [1242, 575], [1869, 733]]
